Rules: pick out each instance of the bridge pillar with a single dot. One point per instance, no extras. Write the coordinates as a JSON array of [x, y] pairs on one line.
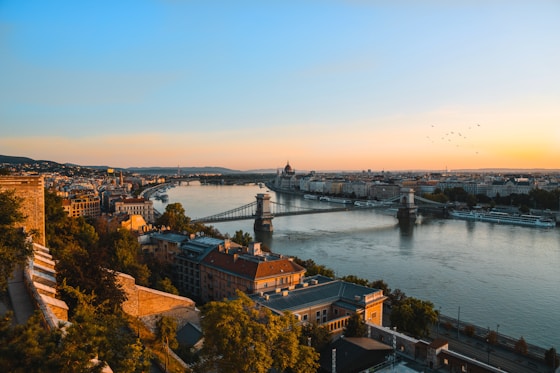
[[408, 210], [263, 215]]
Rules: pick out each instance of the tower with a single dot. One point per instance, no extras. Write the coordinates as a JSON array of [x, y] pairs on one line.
[[263, 216]]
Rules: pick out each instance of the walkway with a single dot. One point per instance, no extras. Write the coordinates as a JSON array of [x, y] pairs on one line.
[[20, 300]]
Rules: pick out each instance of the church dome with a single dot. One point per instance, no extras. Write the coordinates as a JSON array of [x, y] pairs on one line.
[[288, 168]]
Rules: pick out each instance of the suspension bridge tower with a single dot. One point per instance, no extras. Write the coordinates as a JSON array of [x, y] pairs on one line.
[[263, 215], [408, 210]]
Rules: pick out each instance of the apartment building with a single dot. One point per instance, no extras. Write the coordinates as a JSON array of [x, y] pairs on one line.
[[223, 271], [87, 205]]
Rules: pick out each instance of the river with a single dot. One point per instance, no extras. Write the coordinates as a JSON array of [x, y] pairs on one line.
[[486, 274]]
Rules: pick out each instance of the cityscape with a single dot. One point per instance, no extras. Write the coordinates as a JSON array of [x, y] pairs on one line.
[[279, 187], [209, 266]]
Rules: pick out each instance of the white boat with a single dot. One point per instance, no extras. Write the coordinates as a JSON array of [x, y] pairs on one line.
[[310, 196], [504, 218], [334, 200]]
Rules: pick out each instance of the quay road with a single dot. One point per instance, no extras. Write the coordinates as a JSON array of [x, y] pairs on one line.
[[500, 355]]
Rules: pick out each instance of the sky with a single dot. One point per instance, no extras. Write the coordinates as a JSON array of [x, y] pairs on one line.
[[325, 85]]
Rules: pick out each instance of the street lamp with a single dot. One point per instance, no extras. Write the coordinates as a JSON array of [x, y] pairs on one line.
[[498, 333]]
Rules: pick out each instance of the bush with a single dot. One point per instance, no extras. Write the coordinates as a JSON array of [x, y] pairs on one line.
[[469, 330]]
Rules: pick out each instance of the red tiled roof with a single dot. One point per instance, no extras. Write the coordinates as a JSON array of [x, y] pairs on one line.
[[249, 268]]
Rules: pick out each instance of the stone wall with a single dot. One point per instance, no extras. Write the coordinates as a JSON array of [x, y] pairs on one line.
[[142, 301], [32, 190]]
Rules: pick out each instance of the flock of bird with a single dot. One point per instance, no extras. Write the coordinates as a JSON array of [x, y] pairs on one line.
[[452, 137]]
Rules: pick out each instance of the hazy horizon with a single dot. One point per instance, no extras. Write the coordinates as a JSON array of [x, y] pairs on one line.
[[338, 85]]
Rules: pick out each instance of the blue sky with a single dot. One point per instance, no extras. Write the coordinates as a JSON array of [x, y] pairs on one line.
[[251, 84]]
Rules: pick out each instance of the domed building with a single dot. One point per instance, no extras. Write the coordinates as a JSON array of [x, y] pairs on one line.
[[286, 178]]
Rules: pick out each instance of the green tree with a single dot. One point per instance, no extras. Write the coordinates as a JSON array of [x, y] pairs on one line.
[[126, 255], [382, 285], [356, 326], [316, 336], [14, 246], [314, 269], [242, 238], [166, 285], [174, 217], [166, 331], [414, 316], [239, 337], [355, 280]]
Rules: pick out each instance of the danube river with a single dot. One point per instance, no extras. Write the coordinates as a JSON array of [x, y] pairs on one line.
[[487, 274]]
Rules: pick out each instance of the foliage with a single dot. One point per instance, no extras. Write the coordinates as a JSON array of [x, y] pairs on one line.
[[492, 337], [125, 255], [396, 297], [551, 358], [166, 331], [314, 335], [242, 238], [356, 326], [468, 330], [166, 285], [381, 285], [92, 334], [436, 197], [14, 247], [239, 337], [174, 217], [521, 346], [414, 316], [355, 280], [313, 268]]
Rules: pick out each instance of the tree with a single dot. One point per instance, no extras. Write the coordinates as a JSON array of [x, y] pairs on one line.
[[174, 217], [521, 346], [14, 246], [355, 280], [492, 337], [242, 238], [125, 255], [313, 268], [356, 326], [551, 359], [414, 316], [239, 337], [166, 285], [382, 285], [316, 336]]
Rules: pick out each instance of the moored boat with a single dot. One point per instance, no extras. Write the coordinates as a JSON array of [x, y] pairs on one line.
[[504, 218]]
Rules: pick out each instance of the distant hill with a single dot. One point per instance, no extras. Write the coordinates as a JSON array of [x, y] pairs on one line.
[[182, 170], [6, 159], [16, 160]]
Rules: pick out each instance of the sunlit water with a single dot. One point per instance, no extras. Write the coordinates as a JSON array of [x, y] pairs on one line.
[[495, 274]]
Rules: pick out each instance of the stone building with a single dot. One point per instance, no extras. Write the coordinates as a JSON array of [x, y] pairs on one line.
[[32, 190], [87, 205], [286, 179], [322, 300], [136, 206]]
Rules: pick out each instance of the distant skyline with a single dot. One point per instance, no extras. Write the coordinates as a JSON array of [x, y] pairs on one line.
[[325, 85]]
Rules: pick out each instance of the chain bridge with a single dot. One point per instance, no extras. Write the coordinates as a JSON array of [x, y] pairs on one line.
[[263, 210]]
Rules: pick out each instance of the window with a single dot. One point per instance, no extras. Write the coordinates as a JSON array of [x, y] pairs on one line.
[[304, 317]]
